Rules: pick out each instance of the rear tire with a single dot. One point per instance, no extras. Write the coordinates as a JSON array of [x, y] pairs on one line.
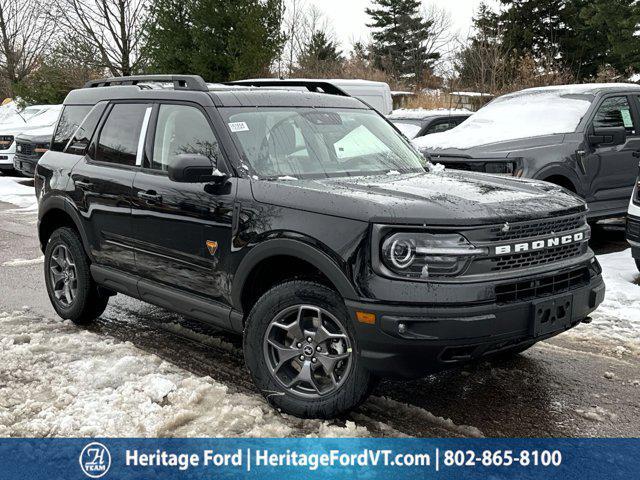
[[301, 350], [73, 293]]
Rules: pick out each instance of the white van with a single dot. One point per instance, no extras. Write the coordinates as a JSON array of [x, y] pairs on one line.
[[375, 94]]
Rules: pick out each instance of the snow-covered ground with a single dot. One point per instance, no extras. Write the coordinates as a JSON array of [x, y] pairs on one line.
[[14, 192], [58, 380], [617, 321]]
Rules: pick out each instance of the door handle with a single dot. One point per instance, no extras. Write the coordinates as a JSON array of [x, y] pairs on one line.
[[150, 196], [83, 185]]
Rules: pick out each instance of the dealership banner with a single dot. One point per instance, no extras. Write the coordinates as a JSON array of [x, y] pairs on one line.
[[294, 458]]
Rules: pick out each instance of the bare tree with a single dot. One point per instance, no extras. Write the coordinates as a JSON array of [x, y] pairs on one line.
[[112, 28], [442, 38], [300, 23], [25, 34]]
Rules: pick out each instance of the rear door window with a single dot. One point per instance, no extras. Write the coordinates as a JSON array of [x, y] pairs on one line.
[[119, 140]]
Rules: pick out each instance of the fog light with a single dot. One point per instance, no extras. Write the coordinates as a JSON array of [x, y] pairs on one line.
[[365, 317], [402, 328]]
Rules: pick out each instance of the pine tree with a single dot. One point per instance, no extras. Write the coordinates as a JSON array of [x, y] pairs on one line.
[[320, 57], [322, 49], [581, 35], [399, 36], [218, 39], [169, 41]]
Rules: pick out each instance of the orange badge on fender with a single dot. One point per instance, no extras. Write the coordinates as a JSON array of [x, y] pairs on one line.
[[212, 247]]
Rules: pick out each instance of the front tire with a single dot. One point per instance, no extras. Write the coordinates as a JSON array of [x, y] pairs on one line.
[[301, 350], [73, 293], [638, 264]]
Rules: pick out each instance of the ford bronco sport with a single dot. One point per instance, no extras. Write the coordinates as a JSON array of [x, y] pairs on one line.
[[305, 221]]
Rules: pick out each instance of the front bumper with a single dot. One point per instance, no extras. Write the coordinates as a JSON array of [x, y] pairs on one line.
[[25, 165], [434, 338], [6, 161]]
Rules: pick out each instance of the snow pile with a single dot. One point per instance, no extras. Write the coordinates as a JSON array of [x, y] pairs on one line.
[[420, 113], [529, 113], [58, 380], [618, 318], [17, 194]]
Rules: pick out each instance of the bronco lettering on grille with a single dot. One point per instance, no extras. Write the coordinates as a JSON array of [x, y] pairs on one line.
[[540, 244]]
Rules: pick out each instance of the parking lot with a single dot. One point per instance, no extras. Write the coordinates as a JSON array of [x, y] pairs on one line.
[[164, 375]]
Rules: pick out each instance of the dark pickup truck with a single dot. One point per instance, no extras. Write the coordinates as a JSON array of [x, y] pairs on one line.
[[585, 138]]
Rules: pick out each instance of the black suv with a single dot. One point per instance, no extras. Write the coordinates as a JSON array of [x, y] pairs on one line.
[[305, 221], [585, 138]]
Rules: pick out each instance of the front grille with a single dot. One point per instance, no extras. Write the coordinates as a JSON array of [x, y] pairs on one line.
[[537, 228], [5, 141], [533, 259], [633, 228], [25, 149], [551, 285]]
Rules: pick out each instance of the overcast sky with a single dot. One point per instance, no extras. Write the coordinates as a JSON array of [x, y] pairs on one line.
[[348, 19]]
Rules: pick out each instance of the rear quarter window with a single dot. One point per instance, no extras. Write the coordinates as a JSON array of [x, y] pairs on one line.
[[70, 119]]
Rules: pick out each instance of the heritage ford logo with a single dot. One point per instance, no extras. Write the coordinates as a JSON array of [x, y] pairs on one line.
[[540, 244], [95, 460]]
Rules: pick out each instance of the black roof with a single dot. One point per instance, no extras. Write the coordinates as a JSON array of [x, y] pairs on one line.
[[193, 88]]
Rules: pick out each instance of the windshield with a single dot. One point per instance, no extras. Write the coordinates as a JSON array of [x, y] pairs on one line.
[[45, 117], [410, 128], [319, 142], [530, 113]]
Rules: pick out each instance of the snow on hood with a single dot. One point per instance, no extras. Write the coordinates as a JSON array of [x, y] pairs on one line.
[[41, 124], [40, 131], [529, 113]]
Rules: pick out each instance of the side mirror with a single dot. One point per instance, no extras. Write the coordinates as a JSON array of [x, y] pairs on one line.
[[195, 168], [607, 136]]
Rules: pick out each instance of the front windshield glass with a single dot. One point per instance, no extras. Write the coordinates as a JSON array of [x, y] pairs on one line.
[[319, 142]]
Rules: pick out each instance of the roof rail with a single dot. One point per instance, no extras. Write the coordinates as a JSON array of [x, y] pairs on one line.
[[316, 86], [180, 82]]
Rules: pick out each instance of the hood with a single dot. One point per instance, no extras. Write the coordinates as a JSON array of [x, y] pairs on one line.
[[504, 149], [446, 198], [13, 128], [16, 129], [38, 134]]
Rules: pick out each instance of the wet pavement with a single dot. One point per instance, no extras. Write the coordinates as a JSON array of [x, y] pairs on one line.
[[559, 388]]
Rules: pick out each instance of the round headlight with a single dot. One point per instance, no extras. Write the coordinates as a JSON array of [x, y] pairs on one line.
[[402, 253]]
